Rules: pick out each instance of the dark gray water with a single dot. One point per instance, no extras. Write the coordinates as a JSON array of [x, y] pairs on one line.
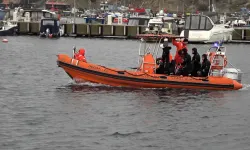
[[42, 109]]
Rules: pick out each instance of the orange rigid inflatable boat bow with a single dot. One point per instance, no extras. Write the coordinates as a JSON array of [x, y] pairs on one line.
[[142, 78]]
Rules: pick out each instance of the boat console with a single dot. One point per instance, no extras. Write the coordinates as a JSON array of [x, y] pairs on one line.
[[220, 66]]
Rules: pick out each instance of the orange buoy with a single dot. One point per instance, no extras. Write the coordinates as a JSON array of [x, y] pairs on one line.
[[5, 41]]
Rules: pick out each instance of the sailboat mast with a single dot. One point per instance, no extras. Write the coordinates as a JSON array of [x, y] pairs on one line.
[[208, 5], [74, 11], [159, 5]]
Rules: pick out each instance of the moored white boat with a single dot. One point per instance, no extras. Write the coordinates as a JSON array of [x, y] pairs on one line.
[[8, 28], [206, 29]]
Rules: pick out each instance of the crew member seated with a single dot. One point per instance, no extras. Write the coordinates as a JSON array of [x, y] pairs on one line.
[[205, 66], [186, 65], [195, 62], [80, 55]]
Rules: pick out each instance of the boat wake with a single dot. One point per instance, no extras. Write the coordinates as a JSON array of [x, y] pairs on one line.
[[245, 87], [90, 84]]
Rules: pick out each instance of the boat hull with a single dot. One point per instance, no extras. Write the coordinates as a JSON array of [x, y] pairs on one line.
[[8, 32], [81, 72], [42, 35], [216, 34]]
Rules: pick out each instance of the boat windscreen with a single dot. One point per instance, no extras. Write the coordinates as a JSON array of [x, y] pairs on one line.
[[213, 49], [133, 22], [197, 22], [136, 22], [215, 19]]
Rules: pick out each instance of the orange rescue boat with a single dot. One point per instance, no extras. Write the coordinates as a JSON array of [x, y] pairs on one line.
[[145, 76]]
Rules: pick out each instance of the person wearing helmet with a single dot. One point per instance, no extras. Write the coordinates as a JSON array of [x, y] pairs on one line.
[[81, 55], [165, 60], [180, 45], [195, 62], [205, 66], [187, 63]]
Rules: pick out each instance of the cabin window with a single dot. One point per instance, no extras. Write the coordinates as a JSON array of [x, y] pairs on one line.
[[209, 24], [175, 28], [166, 25], [39, 15], [195, 22], [47, 15], [203, 23], [34, 16], [145, 22], [142, 22], [187, 22], [48, 22], [133, 22], [215, 19]]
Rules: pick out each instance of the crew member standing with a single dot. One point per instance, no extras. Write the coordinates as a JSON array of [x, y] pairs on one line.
[[180, 45], [80, 55]]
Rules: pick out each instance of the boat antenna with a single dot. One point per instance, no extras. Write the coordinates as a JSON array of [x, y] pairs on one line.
[[74, 12], [74, 51]]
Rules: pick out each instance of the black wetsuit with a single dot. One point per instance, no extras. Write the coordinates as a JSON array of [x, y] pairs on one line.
[[164, 66], [205, 66], [187, 65], [196, 62]]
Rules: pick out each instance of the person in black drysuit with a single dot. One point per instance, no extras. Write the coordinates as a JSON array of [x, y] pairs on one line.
[[187, 64], [195, 62], [164, 64], [205, 66]]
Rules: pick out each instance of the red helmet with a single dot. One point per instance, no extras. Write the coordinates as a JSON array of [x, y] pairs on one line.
[[82, 51]]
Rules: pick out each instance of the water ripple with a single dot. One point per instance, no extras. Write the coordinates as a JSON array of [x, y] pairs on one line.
[[41, 108]]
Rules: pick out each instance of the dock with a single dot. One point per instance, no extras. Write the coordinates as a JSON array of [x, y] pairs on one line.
[[240, 35], [89, 30]]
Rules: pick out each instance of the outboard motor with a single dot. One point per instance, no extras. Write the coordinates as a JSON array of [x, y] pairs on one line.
[[47, 32], [233, 73]]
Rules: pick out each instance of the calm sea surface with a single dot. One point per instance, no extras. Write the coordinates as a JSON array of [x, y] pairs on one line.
[[42, 109]]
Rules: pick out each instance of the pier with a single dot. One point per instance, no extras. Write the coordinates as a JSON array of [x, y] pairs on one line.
[[89, 30], [240, 35]]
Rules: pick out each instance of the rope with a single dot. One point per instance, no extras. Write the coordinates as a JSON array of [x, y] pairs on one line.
[[200, 78], [129, 72]]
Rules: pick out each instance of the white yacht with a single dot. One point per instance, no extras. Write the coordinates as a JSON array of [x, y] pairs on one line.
[[162, 25], [206, 29]]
